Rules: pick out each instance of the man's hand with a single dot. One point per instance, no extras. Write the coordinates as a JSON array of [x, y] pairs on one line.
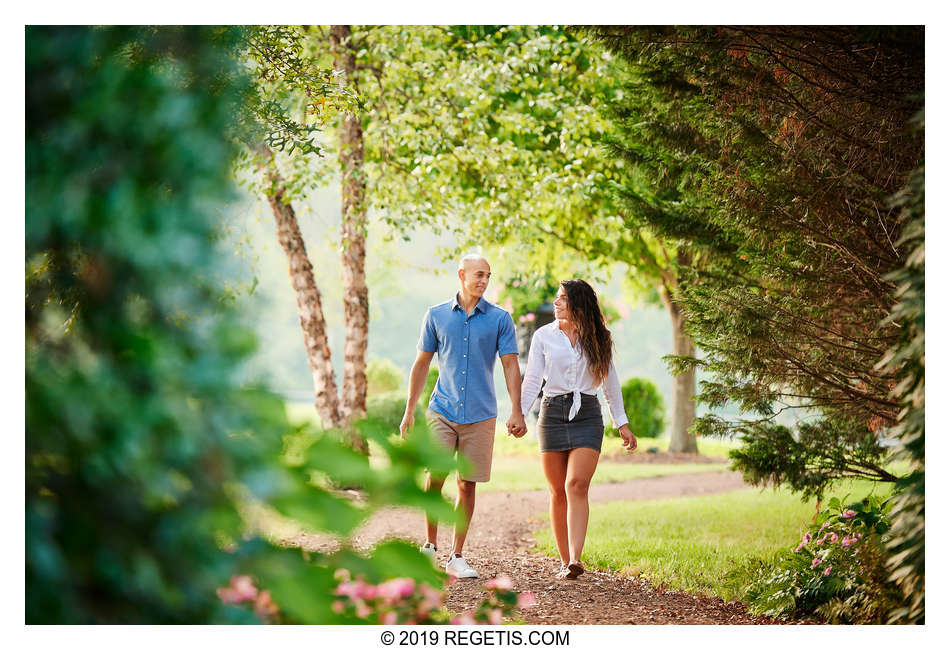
[[516, 425], [629, 440], [408, 419]]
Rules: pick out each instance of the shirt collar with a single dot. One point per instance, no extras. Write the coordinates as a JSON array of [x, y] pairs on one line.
[[481, 305]]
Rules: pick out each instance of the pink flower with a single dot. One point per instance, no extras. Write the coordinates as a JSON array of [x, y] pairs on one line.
[[348, 589], [820, 540], [823, 526], [508, 306], [849, 541], [242, 589], [815, 562], [341, 575], [827, 571], [431, 595], [530, 317], [465, 618], [833, 537], [337, 606], [396, 589], [798, 548], [362, 609], [264, 606], [526, 599], [847, 514], [388, 618], [806, 538], [501, 581], [494, 616], [423, 609]]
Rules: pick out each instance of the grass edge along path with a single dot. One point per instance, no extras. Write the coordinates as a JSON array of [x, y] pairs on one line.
[[697, 544]]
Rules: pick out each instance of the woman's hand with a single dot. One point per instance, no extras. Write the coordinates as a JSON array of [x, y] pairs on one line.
[[629, 440]]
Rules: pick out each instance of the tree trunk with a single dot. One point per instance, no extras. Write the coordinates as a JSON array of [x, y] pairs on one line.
[[684, 388], [353, 223], [309, 305], [684, 384]]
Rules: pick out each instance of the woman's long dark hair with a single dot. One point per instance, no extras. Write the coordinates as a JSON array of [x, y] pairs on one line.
[[592, 331]]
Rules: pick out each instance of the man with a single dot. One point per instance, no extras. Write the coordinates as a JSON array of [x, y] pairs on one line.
[[467, 332]]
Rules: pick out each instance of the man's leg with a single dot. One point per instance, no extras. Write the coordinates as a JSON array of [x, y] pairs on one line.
[[443, 431], [464, 503], [433, 484]]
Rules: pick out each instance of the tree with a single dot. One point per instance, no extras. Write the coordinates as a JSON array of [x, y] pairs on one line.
[[492, 132], [789, 141], [906, 360], [353, 238], [289, 79], [142, 444]]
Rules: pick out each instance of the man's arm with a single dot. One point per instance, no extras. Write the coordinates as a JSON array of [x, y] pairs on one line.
[[516, 425], [417, 381]]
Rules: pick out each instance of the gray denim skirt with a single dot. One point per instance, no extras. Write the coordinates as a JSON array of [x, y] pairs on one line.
[[557, 433]]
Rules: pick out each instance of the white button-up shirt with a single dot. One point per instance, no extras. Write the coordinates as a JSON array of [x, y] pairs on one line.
[[564, 369]]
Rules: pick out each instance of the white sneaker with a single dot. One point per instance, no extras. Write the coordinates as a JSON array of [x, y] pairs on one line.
[[458, 567], [428, 549]]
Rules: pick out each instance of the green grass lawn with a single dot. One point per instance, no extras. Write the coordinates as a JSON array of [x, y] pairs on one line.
[[693, 544], [518, 473], [506, 445]]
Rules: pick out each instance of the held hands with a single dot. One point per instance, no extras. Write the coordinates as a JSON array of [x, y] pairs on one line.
[[407, 421], [629, 440], [516, 425]]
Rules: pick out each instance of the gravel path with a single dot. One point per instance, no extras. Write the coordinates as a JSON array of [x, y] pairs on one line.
[[500, 540]]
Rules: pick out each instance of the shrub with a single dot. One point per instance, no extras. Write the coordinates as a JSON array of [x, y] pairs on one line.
[[403, 601], [383, 376], [386, 409], [645, 409], [431, 379], [145, 443], [836, 572]]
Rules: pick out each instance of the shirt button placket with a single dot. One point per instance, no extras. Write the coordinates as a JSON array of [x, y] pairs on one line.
[[465, 338]]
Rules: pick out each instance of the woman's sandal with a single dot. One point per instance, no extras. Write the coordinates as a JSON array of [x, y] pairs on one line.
[[574, 569]]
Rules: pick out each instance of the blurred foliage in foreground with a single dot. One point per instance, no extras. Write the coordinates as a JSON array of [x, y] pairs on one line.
[[140, 443]]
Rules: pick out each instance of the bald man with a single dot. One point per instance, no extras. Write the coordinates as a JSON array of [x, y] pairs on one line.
[[466, 332]]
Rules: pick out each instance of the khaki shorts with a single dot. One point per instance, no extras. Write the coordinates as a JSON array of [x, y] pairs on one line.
[[474, 441]]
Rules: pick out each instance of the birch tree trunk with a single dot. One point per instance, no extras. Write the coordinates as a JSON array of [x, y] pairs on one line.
[[353, 226], [309, 306]]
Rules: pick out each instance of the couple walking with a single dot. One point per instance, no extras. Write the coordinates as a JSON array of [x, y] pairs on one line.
[[572, 355]]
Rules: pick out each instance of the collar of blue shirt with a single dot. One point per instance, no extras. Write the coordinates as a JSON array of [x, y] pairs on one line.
[[481, 305]]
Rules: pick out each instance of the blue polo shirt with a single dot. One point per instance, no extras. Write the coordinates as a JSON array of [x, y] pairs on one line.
[[467, 346]]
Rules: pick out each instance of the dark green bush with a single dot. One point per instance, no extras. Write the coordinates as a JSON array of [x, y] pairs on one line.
[[645, 409], [142, 440]]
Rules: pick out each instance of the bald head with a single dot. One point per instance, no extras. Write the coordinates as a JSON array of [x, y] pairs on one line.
[[471, 261], [474, 273]]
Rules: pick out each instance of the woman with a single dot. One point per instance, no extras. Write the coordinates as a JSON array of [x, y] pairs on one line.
[[573, 355]]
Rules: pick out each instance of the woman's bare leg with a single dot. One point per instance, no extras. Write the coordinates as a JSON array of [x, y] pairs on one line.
[[581, 464], [554, 464]]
